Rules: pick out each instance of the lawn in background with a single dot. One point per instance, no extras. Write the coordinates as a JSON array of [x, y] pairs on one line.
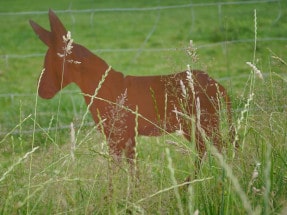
[[144, 42]]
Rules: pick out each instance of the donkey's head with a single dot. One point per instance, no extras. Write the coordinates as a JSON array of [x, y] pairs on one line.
[[60, 61]]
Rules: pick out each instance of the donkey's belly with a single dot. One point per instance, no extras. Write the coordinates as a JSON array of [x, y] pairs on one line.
[[150, 131], [156, 129]]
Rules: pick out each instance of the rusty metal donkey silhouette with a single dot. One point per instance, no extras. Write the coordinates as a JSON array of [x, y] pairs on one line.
[[164, 103]]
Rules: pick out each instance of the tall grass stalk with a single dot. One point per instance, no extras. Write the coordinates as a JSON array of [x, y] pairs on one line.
[[15, 128], [177, 186], [255, 36], [73, 141], [252, 77], [190, 199], [136, 141], [174, 182], [46, 131], [267, 175], [20, 125], [33, 142], [241, 119], [68, 41], [243, 196], [20, 160]]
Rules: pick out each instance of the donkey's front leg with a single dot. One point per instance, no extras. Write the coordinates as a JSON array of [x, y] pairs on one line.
[[130, 153], [124, 146]]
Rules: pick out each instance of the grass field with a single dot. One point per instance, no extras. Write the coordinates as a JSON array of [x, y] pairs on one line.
[[41, 173]]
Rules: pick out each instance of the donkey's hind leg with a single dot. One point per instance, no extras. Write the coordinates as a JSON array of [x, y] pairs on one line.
[[198, 155], [211, 130], [206, 131]]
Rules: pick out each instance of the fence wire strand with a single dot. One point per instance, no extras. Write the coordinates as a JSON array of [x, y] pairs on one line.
[[135, 9]]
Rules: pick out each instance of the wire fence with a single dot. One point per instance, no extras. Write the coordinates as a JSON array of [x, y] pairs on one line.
[[97, 10], [218, 5]]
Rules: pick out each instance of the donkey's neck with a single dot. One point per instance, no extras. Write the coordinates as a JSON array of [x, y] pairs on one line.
[[95, 73]]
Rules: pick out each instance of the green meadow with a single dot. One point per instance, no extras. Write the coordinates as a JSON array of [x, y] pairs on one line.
[[42, 172]]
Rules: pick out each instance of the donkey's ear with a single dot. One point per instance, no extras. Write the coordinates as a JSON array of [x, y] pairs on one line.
[[43, 34], [57, 28]]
